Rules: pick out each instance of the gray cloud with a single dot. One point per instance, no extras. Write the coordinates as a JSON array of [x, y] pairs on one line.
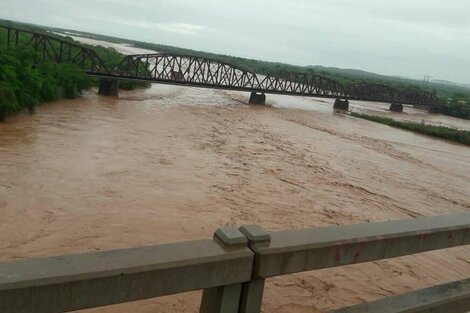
[[397, 37]]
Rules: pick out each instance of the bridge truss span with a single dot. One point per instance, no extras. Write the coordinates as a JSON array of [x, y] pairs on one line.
[[54, 49], [186, 70], [204, 72], [303, 84], [197, 71], [210, 73]]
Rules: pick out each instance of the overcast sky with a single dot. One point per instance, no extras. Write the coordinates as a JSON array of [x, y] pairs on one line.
[[409, 38]]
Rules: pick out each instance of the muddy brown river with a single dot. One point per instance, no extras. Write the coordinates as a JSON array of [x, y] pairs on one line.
[[169, 163]]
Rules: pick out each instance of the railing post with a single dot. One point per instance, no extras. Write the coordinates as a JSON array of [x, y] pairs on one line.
[[252, 291], [224, 299]]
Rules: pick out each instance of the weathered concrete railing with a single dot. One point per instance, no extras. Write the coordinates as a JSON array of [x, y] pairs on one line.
[[452, 298], [67, 283], [309, 249], [231, 274]]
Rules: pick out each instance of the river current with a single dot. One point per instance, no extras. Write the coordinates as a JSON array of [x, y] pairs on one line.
[[169, 163]]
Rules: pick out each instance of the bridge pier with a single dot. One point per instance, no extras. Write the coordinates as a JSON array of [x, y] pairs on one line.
[[109, 87], [341, 105], [396, 107], [256, 98]]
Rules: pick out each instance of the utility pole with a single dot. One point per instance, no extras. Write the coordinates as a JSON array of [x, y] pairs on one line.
[[426, 81]]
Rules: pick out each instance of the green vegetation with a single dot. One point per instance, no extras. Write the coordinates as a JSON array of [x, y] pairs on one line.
[[457, 105], [26, 81], [461, 136], [24, 85]]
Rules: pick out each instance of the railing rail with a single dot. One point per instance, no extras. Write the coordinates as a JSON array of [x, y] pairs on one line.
[[231, 269], [315, 248], [67, 283], [453, 297]]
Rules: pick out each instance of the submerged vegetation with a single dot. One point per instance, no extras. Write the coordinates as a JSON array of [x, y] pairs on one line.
[[461, 136], [24, 84]]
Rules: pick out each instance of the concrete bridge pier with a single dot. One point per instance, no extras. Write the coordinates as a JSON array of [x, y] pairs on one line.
[[341, 105], [109, 87], [396, 107], [256, 98]]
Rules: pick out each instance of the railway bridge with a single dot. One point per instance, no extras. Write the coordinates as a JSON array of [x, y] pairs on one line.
[[194, 71]]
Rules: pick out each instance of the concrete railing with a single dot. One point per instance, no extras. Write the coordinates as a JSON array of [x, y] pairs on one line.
[[73, 282], [448, 298], [231, 269]]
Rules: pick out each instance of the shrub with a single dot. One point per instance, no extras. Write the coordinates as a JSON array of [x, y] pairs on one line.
[[461, 136]]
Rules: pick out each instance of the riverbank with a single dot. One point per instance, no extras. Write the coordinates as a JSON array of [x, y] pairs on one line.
[[28, 78], [452, 134], [25, 84]]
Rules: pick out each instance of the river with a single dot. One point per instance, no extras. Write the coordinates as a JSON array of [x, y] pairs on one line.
[[170, 163]]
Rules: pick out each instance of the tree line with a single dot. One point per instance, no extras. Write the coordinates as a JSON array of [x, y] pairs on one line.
[[24, 83], [26, 80]]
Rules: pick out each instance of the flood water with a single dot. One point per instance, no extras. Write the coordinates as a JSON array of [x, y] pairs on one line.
[[170, 163]]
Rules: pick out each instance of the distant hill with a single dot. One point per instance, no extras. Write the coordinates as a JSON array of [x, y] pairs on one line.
[[351, 72], [446, 82]]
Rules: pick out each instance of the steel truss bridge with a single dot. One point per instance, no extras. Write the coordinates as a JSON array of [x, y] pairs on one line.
[[196, 71]]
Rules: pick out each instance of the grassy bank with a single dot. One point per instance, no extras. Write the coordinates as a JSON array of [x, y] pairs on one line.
[[460, 136]]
